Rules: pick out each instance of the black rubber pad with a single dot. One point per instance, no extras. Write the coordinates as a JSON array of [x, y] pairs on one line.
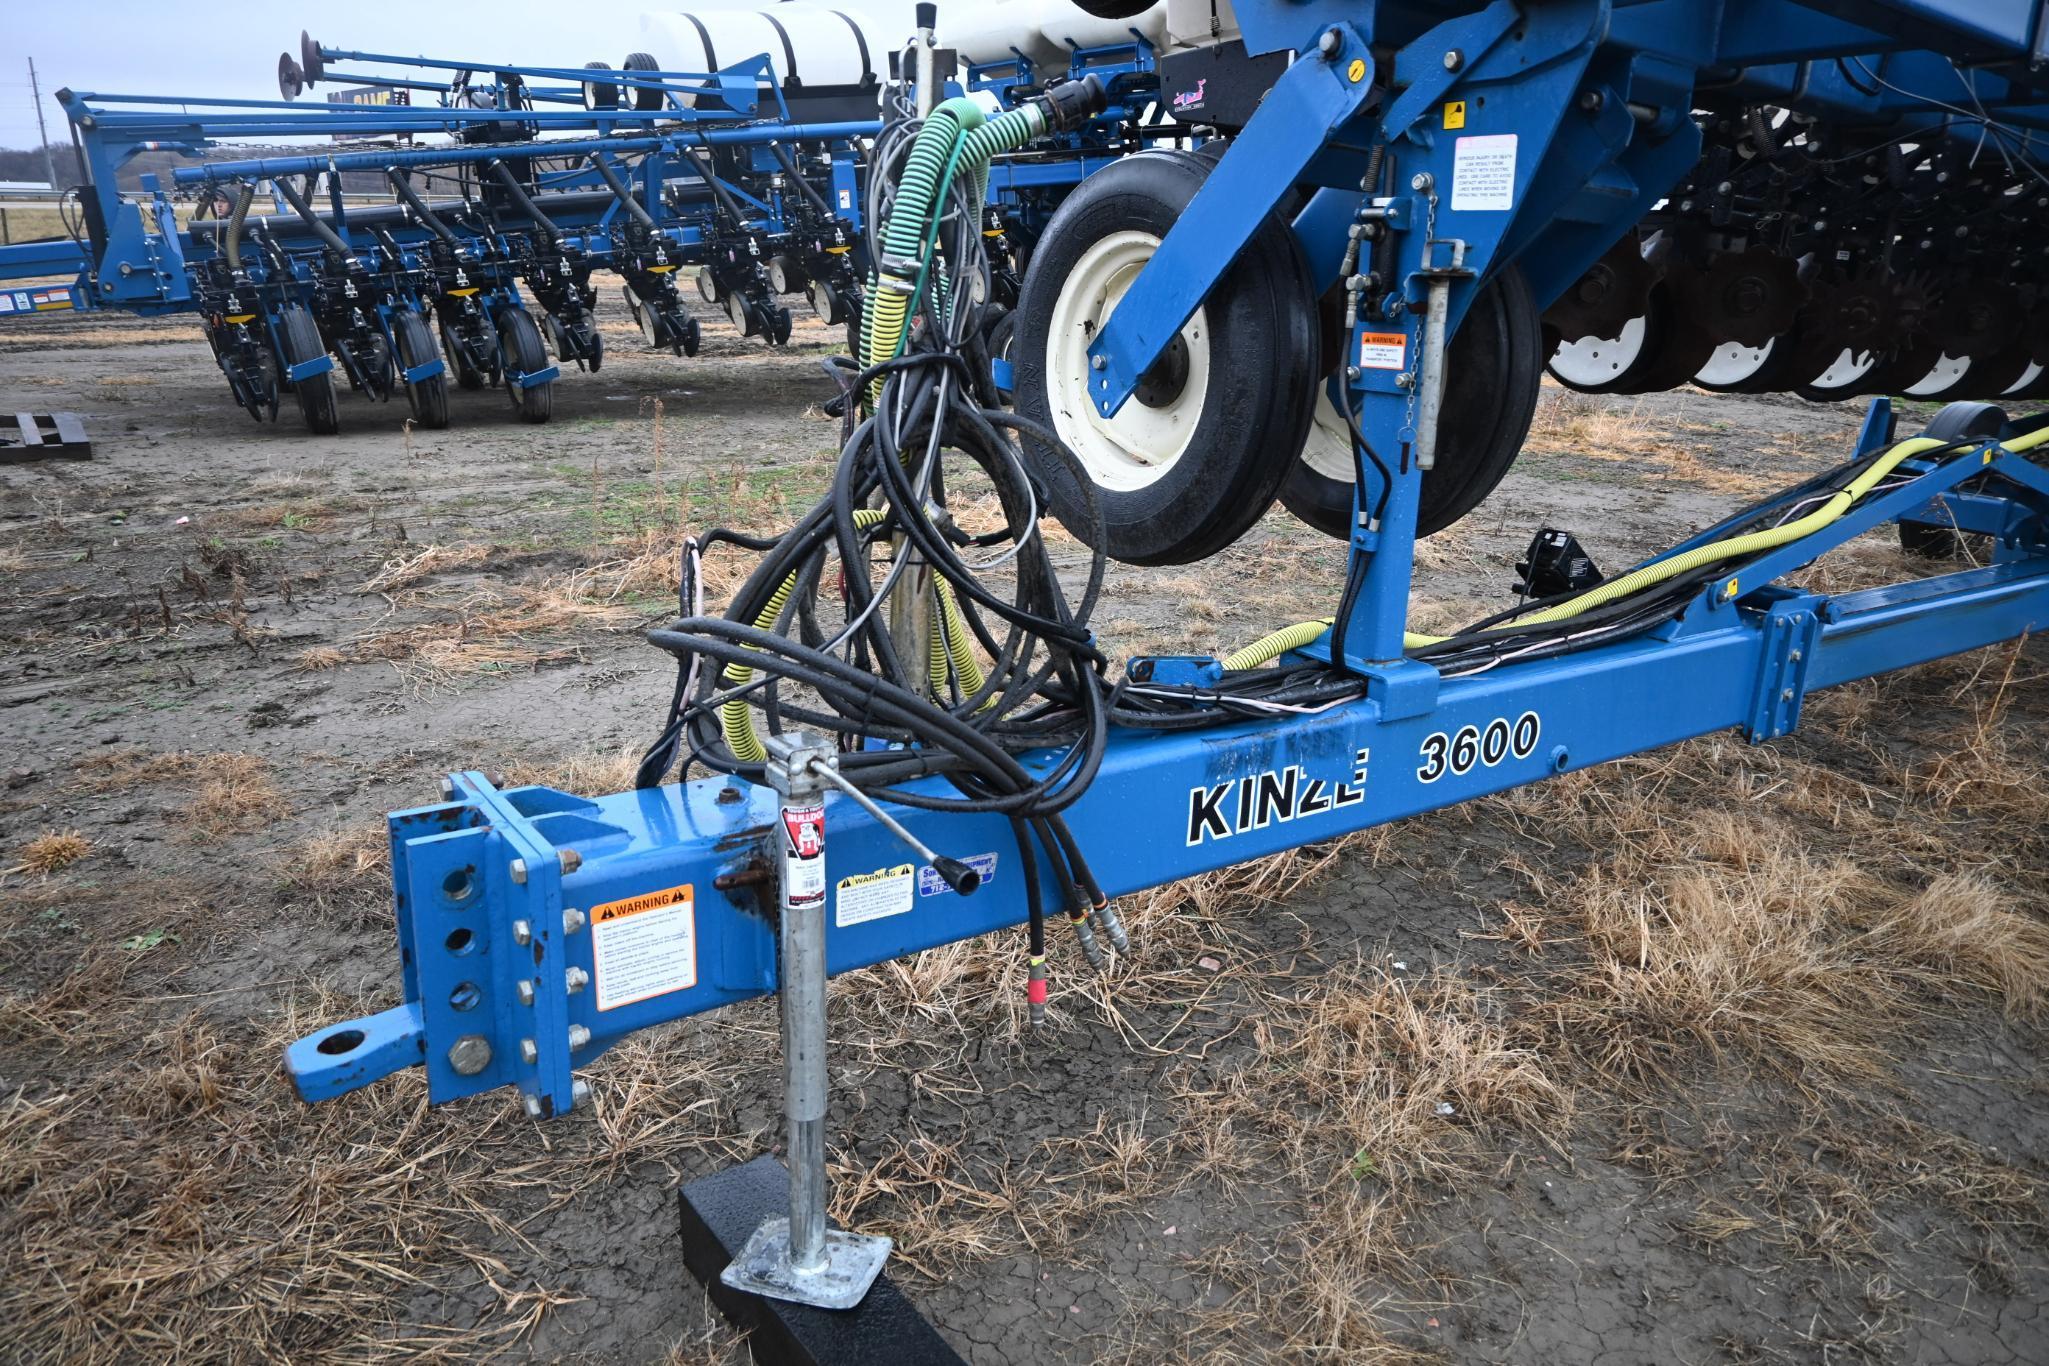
[[720, 1211]]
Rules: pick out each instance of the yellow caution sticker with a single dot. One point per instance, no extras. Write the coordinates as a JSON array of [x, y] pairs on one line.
[[465, 293], [1455, 114], [644, 946]]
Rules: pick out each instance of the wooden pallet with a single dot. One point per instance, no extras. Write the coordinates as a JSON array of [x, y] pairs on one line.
[[39, 436]]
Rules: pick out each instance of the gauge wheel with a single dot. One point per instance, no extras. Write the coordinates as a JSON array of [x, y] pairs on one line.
[[1199, 451]]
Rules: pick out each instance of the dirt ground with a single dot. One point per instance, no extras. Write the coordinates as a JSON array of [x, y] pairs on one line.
[[1721, 1054]]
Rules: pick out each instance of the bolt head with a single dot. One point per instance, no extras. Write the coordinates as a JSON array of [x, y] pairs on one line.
[[522, 933], [448, 789], [579, 1092], [571, 861], [576, 979], [1328, 43], [1421, 181], [533, 1107], [1098, 363], [519, 871], [579, 1036], [526, 991], [572, 920], [529, 1052], [1786, 696], [470, 1054], [1454, 59]]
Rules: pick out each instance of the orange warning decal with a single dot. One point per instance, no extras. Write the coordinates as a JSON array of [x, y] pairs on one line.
[[646, 901]]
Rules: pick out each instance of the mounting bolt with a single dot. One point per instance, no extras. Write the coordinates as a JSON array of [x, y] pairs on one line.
[[1421, 181], [572, 920], [470, 1054], [526, 991], [576, 979], [448, 789], [1405, 380], [1098, 363], [579, 1037], [522, 933], [571, 861], [579, 1092], [529, 1052], [1592, 101], [533, 1107], [1329, 43], [1351, 372], [1794, 655], [1454, 59], [1786, 695], [519, 871]]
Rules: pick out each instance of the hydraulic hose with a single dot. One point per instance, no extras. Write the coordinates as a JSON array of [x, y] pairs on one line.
[[310, 219], [1277, 643], [622, 194], [232, 243], [720, 195], [951, 653], [427, 218], [803, 183], [505, 177]]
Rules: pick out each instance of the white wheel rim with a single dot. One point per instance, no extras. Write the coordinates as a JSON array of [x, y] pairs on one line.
[[1328, 451], [2028, 376], [1733, 363], [1947, 371], [1597, 360], [1140, 444], [1848, 368]]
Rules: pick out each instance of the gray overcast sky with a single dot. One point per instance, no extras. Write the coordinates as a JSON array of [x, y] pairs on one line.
[[230, 47]]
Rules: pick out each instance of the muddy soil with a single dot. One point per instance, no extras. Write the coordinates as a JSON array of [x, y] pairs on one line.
[[198, 590]]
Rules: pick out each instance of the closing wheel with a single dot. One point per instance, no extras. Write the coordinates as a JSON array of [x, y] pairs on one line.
[[467, 376], [521, 353], [315, 393], [1955, 377], [1849, 375], [1493, 369], [429, 396], [1197, 454]]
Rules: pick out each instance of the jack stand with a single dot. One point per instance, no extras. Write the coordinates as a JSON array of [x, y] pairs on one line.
[[796, 1258], [806, 1294]]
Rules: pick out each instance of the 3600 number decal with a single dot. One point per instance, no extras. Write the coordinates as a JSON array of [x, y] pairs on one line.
[[1473, 747]]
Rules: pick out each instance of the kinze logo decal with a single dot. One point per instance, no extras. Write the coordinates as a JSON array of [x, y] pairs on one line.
[[1270, 798]]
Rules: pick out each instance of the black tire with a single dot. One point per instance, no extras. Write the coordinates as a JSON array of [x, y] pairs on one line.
[[428, 397], [645, 100], [597, 355], [599, 96], [521, 353], [1963, 420], [1262, 337], [1114, 9], [1494, 368], [301, 337], [467, 376]]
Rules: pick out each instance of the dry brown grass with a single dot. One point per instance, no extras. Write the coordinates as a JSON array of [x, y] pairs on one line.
[[338, 865], [486, 630], [51, 851], [402, 571], [596, 773], [230, 793]]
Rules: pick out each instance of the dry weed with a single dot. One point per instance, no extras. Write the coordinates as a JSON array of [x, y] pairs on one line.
[[52, 850]]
